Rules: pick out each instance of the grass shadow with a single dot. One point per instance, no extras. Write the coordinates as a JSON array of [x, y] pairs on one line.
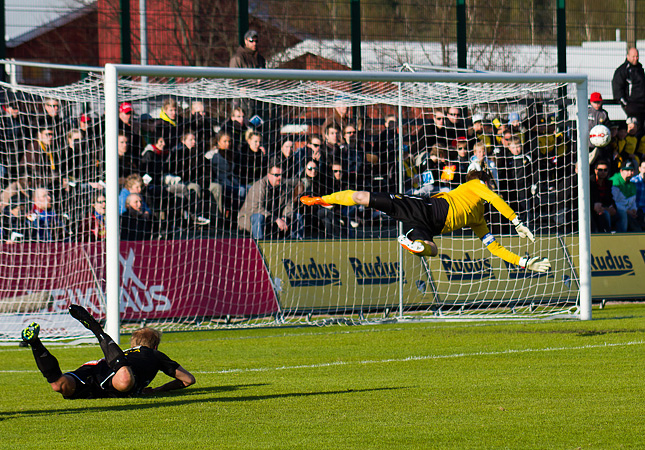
[[177, 398]]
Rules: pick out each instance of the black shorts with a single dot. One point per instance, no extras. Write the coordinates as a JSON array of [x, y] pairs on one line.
[[422, 218], [94, 380]]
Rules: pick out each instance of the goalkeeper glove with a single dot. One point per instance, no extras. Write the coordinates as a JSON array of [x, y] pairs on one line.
[[535, 264], [522, 230]]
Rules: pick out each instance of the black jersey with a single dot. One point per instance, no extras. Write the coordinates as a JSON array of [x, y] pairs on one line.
[[94, 379]]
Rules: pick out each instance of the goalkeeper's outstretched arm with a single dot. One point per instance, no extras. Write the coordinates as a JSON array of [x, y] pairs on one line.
[[535, 263]]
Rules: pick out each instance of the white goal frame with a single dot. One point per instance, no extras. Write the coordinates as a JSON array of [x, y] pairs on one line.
[[114, 71]]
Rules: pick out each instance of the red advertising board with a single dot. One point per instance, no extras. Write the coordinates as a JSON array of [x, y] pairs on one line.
[[159, 279]]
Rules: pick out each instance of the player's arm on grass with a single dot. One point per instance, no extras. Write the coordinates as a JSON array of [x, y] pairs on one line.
[[183, 378], [500, 205]]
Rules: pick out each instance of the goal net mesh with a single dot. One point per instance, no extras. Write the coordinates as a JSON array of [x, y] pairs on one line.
[[212, 231]]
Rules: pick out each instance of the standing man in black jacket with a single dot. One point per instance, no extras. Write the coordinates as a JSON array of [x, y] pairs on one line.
[[628, 86]]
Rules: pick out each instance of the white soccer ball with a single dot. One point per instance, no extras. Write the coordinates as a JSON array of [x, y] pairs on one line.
[[599, 136]]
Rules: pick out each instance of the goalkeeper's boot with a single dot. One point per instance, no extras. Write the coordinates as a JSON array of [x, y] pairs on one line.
[[85, 318], [415, 247], [310, 201], [30, 334]]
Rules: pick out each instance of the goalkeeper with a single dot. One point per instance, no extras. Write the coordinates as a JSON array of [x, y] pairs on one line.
[[119, 374], [442, 213]]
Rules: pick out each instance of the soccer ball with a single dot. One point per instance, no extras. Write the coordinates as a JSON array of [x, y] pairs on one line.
[[599, 136]]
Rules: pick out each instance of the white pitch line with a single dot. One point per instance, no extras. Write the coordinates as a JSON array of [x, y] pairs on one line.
[[421, 358], [399, 360]]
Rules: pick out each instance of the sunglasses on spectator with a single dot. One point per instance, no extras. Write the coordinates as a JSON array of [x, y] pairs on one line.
[[337, 171], [252, 39], [350, 132], [315, 145], [276, 174], [601, 170], [312, 168]]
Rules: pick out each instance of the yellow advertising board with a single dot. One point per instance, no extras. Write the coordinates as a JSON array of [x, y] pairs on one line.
[[617, 265], [366, 274]]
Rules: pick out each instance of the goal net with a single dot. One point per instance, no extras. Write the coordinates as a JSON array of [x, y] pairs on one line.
[[210, 171]]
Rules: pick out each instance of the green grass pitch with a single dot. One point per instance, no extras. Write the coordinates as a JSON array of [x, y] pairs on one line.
[[537, 385]]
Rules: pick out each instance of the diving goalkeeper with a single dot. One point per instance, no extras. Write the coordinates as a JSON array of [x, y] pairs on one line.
[[444, 212]]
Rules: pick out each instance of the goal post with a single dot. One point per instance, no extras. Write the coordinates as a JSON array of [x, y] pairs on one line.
[[203, 256], [114, 72]]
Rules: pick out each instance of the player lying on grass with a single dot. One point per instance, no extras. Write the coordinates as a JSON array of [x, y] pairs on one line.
[[119, 374], [444, 212]]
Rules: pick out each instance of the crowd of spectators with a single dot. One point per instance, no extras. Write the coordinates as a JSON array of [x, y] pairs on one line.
[[187, 168]]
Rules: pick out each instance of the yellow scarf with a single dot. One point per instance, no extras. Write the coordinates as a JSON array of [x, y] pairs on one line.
[[165, 117], [49, 154]]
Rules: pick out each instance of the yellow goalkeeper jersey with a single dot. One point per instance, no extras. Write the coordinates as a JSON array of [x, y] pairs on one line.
[[466, 209]]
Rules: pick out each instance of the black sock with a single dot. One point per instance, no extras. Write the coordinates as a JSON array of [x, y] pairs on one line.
[[114, 356], [46, 362]]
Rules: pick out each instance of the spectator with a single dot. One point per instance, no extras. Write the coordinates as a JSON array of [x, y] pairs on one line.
[[602, 200], [462, 161], [310, 184], [41, 162], [46, 225], [133, 185], [91, 132], [515, 126], [442, 172], [129, 162], [20, 187], [624, 194], [479, 161], [14, 221], [639, 182], [225, 187], [236, 126], [130, 128], [268, 208], [339, 116], [331, 145], [455, 126], [154, 161], [75, 160], [628, 86], [12, 141], [597, 115], [53, 120], [201, 124], [380, 158], [516, 180], [247, 56], [335, 219], [249, 161], [287, 160], [351, 155], [136, 223], [479, 133], [194, 171], [167, 125], [632, 144], [92, 227], [310, 181], [435, 133]]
